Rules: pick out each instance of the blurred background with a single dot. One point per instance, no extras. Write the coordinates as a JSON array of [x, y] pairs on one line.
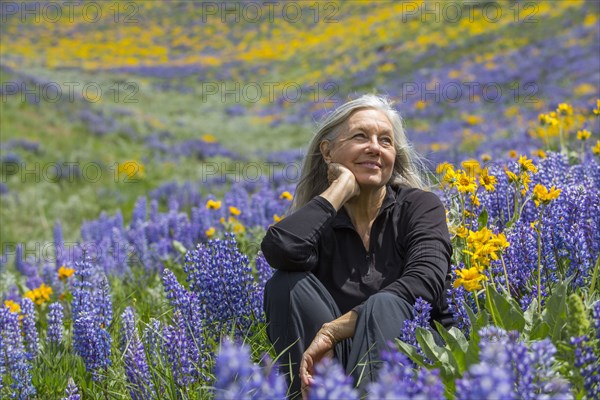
[[105, 103]]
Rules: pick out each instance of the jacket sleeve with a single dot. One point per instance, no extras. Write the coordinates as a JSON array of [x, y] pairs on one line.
[[428, 251], [293, 243]]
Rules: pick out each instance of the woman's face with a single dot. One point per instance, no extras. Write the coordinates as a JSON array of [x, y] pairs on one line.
[[365, 145]]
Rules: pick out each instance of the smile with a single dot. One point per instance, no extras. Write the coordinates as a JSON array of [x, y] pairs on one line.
[[371, 165]]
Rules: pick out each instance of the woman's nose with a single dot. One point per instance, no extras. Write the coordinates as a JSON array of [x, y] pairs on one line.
[[374, 145]]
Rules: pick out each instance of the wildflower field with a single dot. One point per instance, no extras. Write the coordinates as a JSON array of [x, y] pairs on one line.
[[146, 146]]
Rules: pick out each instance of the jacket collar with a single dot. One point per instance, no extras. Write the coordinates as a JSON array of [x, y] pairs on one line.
[[342, 219]]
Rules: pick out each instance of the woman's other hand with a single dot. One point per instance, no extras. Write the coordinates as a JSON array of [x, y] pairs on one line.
[[342, 185], [321, 347]]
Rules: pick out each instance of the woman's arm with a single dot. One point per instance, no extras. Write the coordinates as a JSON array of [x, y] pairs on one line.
[[292, 243], [324, 342]]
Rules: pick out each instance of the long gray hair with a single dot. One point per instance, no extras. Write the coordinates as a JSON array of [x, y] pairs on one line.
[[313, 179]]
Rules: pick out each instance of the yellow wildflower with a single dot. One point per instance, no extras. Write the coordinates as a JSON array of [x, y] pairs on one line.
[[39, 295], [541, 194], [527, 164], [210, 231], [469, 278], [443, 167], [472, 167], [485, 157], [465, 183], [597, 109], [487, 181], [234, 210], [238, 227], [209, 138], [512, 153], [12, 306], [512, 177], [277, 218], [132, 168], [564, 109], [539, 153], [596, 148], [525, 179], [286, 195], [65, 272], [213, 205], [475, 200], [583, 134]]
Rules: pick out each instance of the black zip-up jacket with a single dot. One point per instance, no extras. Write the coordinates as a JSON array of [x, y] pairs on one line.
[[409, 252]]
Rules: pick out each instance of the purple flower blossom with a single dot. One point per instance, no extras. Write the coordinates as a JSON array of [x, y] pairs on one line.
[[222, 279], [71, 392], [13, 355], [421, 311], [55, 323], [136, 366], [330, 382], [29, 330], [588, 365]]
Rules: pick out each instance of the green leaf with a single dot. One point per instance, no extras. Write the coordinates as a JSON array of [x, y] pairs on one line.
[[555, 312], [412, 353], [435, 352], [179, 247], [505, 313], [539, 330], [457, 343], [483, 219]]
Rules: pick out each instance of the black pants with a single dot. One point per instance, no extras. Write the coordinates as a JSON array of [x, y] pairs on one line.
[[297, 305]]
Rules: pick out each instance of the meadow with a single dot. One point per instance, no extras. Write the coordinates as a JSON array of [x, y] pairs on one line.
[[145, 147]]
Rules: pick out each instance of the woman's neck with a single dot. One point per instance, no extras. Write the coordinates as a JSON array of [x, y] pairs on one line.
[[363, 209]]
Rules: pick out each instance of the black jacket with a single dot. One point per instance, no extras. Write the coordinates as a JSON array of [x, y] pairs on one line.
[[409, 253]]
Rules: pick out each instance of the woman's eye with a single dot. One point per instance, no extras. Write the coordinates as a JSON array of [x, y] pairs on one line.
[[387, 140], [360, 135]]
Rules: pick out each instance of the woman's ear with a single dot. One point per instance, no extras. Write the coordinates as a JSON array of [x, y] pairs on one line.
[[325, 148]]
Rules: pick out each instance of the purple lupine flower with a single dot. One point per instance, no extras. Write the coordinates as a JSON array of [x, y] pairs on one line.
[[71, 392], [222, 278], [263, 270], [92, 313], [177, 351], [92, 343], [136, 366], [421, 311], [138, 216], [59, 244], [14, 356], [55, 323], [588, 365], [596, 318], [30, 333], [396, 368], [238, 377], [235, 374], [153, 341], [330, 382]]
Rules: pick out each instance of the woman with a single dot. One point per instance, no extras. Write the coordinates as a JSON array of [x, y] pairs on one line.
[[362, 243]]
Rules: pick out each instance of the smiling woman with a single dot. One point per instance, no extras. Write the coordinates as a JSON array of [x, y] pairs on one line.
[[364, 241]]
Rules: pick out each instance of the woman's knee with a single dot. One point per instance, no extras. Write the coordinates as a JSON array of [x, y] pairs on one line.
[[385, 304]]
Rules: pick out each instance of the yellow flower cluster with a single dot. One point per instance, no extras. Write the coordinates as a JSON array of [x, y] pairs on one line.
[[65, 272], [12, 306], [541, 194], [526, 167], [39, 295], [483, 246], [213, 204], [470, 278], [466, 180]]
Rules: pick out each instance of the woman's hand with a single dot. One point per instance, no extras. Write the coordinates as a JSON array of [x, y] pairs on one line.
[[342, 185], [321, 347]]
